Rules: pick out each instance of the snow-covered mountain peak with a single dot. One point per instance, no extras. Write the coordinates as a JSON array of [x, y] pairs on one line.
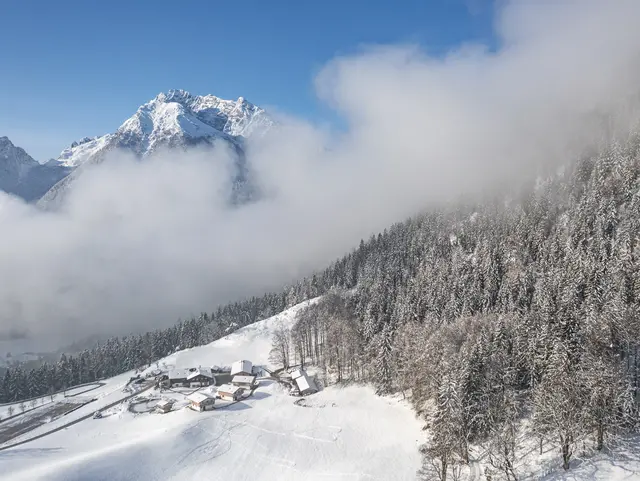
[[173, 119], [235, 118], [156, 121]]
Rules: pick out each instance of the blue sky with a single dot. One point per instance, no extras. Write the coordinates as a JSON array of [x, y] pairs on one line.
[[76, 68]]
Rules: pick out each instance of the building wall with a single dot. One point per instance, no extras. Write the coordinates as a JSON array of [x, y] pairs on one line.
[[229, 397]]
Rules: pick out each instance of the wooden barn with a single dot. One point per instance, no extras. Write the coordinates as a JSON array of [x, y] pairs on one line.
[[242, 368], [164, 406], [201, 402], [229, 392], [245, 382]]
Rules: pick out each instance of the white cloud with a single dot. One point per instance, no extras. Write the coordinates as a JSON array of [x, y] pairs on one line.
[[137, 245]]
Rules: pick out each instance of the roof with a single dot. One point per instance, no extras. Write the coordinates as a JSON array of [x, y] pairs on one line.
[[244, 379], [304, 382], [198, 397], [296, 373], [229, 389], [241, 366], [164, 402], [179, 374], [202, 371], [190, 373]]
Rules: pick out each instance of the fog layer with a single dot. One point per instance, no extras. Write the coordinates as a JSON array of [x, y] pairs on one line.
[[139, 244]]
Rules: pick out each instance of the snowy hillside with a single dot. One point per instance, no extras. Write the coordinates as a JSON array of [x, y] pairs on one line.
[[176, 119], [21, 175], [339, 433]]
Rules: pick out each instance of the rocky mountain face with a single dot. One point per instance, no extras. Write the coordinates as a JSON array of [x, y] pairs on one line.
[[175, 120], [24, 177]]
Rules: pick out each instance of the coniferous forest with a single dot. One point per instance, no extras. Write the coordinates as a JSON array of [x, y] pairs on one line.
[[479, 313]]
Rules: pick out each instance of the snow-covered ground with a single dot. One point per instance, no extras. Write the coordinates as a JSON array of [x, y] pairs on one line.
[[622, 463], [339, 434]]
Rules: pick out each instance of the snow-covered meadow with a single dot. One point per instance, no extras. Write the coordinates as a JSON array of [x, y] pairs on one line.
[[341, 433]]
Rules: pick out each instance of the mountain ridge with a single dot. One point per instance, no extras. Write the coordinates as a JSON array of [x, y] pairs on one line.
[[23, 176], [175, 119]]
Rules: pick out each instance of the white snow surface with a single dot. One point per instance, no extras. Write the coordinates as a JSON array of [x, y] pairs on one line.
[[339, 434]]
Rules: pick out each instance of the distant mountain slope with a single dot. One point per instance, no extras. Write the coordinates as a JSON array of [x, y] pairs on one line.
[[176, 119], [21, 175]]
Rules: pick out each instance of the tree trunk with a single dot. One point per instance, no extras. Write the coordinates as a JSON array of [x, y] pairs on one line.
[[566, 455], [443, 470], [600, 437]]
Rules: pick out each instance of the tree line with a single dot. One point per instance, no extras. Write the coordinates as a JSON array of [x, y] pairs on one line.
[[483, 315]]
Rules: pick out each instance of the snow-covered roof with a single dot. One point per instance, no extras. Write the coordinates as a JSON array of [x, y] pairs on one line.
[[296, 373], [198, 397], [229, 389], [304, 382], [202, 371], [241, 366], [164, 402], [244, 379], [179, 374]]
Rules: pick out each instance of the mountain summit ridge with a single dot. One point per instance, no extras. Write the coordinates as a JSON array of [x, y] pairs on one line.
[[172, 119]]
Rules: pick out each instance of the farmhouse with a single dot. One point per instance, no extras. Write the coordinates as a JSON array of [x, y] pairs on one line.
[[230, 393], [192, 377], [246, 382], [200, 402], [241, 368], [304, 383], [164, 406]]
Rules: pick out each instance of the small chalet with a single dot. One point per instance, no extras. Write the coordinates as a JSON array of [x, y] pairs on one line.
[[241, 368], [201, 402], [164, 406], [304, 383], [246, 382], [230, 393], [192, 377]]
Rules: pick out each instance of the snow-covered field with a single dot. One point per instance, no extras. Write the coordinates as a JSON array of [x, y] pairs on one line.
[[339, 433]]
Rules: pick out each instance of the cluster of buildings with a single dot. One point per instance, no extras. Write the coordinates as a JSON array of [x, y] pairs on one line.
[[231, 386], [242, 378]]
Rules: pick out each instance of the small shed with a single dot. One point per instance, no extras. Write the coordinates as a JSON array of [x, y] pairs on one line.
[[229, 392], [200, 402], [241, 368], [305, 384], [164, 406], [246, 382]]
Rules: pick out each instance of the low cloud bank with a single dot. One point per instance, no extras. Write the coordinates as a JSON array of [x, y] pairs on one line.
[[137, 245]]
